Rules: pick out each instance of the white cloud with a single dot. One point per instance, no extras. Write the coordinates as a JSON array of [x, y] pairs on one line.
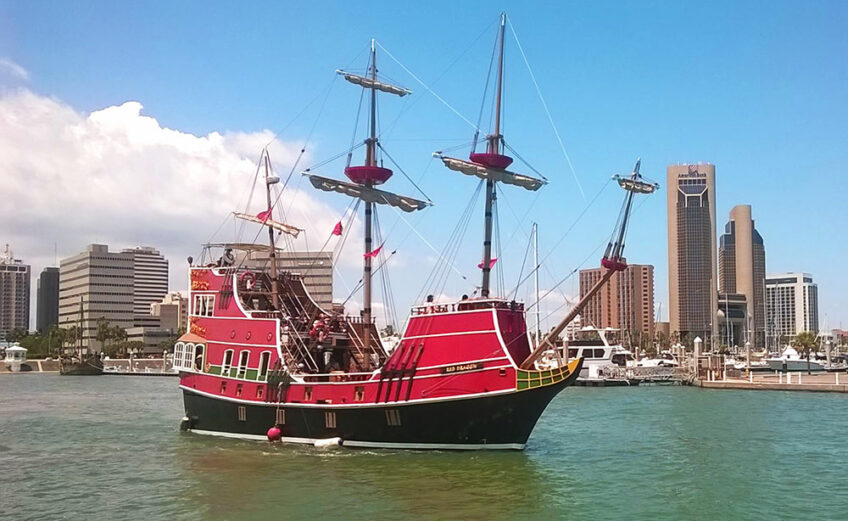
[[12, 69], [118, 177]]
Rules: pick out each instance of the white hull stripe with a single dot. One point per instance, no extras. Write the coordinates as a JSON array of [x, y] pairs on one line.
[[373, 444], [348, 405]]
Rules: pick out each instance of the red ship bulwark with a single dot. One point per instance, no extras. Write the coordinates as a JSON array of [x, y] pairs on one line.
[[453, 381]]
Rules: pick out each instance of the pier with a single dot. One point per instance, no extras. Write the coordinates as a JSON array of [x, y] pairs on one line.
[[824, 382]]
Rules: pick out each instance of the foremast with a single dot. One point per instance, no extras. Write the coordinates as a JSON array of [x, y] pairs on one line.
[[613, 260], [491, 166]]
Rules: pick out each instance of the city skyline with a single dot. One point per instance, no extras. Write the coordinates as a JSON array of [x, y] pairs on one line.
[[151, 134]]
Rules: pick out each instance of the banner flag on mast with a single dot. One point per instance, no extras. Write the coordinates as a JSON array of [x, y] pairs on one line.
[[491, 264], [337, 229], [374, 253]]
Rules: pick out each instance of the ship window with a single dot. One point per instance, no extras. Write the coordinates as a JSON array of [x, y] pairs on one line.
[[228, 362], [239, 389], [359, 393], [330, 420], [393, 417], [199, 357], [281, 416], [259, 391], [188, 354], [223, 387], [307, 394], [179, 347], [244, 357], [203, 305], [264, 360], [572, 353], [242, 413]]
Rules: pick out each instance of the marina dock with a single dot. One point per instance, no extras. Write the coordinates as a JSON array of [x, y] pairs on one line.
[[794, 381]]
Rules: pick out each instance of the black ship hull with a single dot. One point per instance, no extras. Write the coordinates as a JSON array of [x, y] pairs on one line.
[[492, 421], [88, 366]]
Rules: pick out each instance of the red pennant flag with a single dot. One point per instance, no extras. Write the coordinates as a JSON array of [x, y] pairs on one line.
[[337, 230], [374, 253], [491, 264], [264, 216]]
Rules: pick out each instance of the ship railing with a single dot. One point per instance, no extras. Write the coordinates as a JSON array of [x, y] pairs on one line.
[[467, 305], [338, 376]]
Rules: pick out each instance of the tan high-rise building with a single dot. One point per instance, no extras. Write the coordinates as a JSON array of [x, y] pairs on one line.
[[692, 288], [116, 286], [742, 270], [626, 302]]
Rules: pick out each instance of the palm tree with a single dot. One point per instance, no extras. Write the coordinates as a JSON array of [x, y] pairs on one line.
[[805, 341], [119, 334]]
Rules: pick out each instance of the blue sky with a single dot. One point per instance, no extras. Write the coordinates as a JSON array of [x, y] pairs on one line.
[[757, 88]]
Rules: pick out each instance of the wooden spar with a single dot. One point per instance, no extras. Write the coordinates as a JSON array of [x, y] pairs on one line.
[[273, 252], [370, 160], [493, 147], [548, 342]]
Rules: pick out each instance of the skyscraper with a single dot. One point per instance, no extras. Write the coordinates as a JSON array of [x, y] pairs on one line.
[[14, 294], [626, 302], [47, 306], [117, 286], [150, 282], [792, 306], [742, 270], [692, 288]]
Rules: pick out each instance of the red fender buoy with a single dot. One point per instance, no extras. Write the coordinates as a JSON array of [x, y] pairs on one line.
[[274, 434]]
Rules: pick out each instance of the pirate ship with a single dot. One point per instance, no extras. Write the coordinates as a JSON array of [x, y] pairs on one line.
[[262, 360]]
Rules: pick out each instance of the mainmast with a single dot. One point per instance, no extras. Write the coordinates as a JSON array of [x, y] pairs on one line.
[[493, 148], [364, 179], [370, 160]]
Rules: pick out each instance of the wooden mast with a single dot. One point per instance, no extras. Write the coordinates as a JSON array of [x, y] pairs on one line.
[[493, 147], [273, 253], [370, 160]]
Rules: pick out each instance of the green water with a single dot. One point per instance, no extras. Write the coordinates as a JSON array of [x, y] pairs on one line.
[[108, 448]]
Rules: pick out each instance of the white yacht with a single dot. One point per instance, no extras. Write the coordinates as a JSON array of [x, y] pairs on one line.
[[605, 361], [15, 357], [791, 360], [664, 359]]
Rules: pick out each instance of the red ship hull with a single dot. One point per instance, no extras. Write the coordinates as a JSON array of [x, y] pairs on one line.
[[453, 382]]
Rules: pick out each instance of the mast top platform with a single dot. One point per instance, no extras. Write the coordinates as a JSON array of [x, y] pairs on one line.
[[490, 160], [368, 174]]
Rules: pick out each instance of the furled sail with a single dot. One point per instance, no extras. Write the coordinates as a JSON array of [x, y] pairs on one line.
[[369, 83], [495, 174], [282, 227], [369, 195]]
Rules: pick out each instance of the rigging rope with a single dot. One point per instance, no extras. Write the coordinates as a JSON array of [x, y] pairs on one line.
[[548, 112]]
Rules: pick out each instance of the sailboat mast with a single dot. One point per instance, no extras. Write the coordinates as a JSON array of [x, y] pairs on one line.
[[370, 160], [494, 141], [536, 278], [273, 253]]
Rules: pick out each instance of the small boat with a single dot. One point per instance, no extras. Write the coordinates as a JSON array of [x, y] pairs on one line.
[[791, 360], [15, 357], [80, 362], [664, 359], [605, 361], [81, 365]]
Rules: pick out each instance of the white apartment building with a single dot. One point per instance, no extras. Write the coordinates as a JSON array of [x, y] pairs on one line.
[[792, 305]]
